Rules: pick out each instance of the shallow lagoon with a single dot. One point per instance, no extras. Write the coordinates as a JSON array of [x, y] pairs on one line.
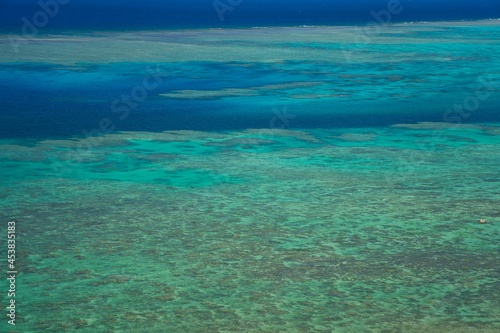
[[300, 191]]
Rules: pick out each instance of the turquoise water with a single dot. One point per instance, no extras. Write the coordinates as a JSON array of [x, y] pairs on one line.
[[267, 184]]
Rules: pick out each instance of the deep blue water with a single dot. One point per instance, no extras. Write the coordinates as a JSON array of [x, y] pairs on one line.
[[156, 14], [41, 101]]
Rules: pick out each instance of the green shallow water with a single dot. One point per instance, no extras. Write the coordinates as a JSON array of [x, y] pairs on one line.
[[324, 230]]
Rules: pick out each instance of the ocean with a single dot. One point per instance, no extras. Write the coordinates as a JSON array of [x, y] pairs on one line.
[[250, 166], [84, 15]]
